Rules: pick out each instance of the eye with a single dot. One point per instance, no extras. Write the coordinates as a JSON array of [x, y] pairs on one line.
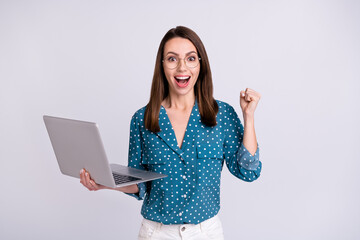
[[171, 59], [191, 59]]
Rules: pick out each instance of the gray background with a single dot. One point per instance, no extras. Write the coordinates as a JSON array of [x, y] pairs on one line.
[[94, 60]]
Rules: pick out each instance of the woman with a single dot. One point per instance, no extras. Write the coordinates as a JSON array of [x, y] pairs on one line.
[[186, 134]]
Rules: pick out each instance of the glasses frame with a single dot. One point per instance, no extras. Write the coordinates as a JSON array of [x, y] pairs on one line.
[[163, 61]]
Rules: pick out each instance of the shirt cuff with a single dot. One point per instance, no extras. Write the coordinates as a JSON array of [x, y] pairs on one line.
[[140, 195], [246, 159]]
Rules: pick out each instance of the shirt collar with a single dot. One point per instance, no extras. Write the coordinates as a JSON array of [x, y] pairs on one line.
[[167, 133]]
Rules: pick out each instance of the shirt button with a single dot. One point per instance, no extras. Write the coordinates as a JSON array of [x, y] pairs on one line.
[[184, 177], [184, 196], [180, 214], [183, 229]]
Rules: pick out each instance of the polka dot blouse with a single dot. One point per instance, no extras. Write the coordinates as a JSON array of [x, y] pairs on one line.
[[191, 192]]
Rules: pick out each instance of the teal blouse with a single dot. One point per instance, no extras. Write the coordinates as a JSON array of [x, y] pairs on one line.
[[191, 192]]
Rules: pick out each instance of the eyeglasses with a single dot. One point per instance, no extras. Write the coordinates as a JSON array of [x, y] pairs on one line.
[[172, 62]]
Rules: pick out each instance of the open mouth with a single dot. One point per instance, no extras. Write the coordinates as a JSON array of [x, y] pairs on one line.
[[182, 81]]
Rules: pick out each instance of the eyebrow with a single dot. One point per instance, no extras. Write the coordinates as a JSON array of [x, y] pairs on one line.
[[178, 54]]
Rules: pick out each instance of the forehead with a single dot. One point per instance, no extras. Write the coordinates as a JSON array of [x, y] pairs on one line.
[[179, 45]]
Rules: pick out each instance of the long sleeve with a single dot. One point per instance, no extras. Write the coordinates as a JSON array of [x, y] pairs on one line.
[[191, 191], [238, 159], [135, 153]]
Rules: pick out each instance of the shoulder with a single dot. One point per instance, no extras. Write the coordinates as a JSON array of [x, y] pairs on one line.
[[226, 113], [138, 116], [224, 107], [140, 112]]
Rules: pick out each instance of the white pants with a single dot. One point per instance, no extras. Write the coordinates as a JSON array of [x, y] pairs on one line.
[[209, 229]]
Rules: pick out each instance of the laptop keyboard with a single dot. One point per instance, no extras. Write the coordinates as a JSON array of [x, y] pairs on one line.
[[123, 178]]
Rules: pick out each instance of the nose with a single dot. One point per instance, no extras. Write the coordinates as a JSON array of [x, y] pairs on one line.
[[182, 65]]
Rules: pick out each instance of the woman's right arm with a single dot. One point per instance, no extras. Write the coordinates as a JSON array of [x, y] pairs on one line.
[[135, 152]]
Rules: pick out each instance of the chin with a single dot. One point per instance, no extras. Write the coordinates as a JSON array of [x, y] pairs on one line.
[[184, 91]]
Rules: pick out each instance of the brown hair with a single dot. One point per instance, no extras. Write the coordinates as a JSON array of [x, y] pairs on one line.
[[203, 88]]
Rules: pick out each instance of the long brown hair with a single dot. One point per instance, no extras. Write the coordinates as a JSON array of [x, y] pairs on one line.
[[203, 88]]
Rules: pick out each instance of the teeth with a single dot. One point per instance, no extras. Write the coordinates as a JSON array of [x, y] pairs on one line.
[[182, 78]]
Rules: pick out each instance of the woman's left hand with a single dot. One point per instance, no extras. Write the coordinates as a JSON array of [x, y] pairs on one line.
[[248, 101]]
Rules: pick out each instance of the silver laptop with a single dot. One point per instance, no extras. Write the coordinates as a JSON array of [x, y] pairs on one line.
[[78, 145]]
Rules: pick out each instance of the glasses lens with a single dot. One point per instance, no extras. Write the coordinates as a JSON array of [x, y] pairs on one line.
[[192, 61], [171, 62]]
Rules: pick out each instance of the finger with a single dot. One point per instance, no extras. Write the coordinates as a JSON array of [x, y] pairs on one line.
[[84, 180], [252, 97], [94, 185], [249, 90], [253, 92], [82, 177], [248, 97], [88, 181]]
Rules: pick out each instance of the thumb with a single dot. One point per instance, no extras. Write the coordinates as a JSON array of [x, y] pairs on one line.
[[242, 99], [242, 94]]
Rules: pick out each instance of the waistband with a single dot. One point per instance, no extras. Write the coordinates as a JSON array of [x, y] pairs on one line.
[[177, 227]]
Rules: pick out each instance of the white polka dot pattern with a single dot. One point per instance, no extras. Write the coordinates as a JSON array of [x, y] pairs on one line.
[[191, 192]]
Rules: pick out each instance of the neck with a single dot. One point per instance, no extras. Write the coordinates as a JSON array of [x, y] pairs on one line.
[[179, 101]]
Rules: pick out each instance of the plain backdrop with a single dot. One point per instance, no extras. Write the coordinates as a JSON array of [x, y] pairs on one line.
[[93, 60]]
